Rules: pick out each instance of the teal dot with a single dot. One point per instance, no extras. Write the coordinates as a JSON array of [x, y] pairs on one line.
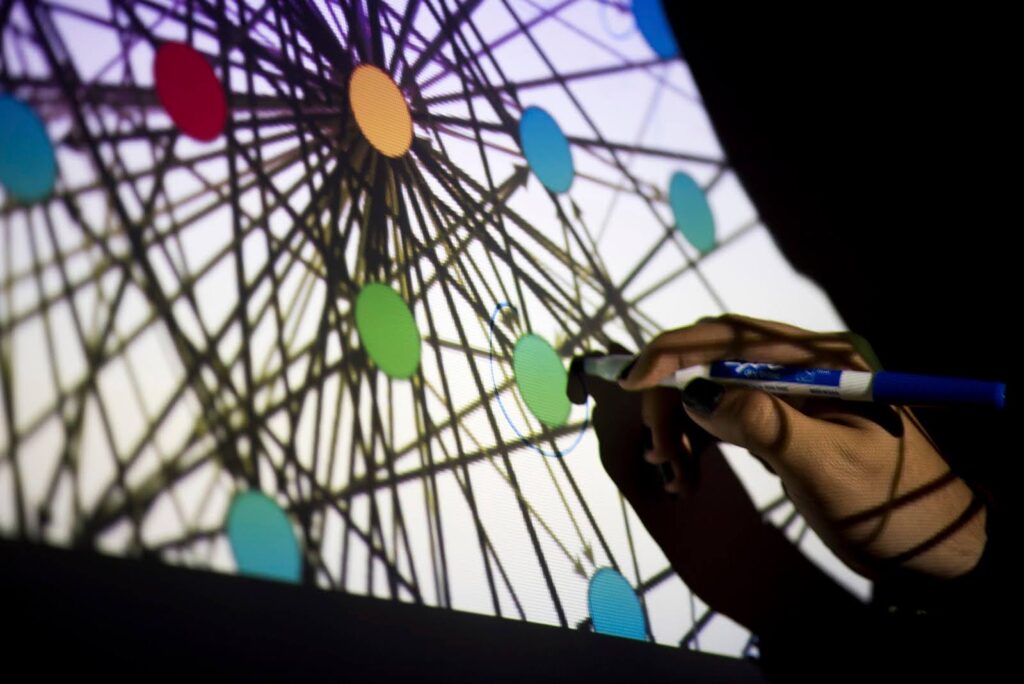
[[262, 539], [546, 149], [388, 330], [28, 167], [692, 212], [653, 24], [541, 378], [614, 606]]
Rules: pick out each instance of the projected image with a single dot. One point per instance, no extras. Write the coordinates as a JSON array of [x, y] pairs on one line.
[[289, 289]]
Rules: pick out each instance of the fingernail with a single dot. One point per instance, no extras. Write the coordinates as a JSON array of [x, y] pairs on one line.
[[648, 439], [667, 473], [576, 386], [703, 395], [629, 367]]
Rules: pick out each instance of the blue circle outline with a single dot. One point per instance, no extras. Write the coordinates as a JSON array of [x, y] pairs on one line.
[[608, 29]]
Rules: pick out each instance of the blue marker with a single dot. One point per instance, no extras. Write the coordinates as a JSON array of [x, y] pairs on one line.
[[883, 387]]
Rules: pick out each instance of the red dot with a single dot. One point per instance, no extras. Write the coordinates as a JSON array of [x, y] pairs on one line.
[[190, 91]]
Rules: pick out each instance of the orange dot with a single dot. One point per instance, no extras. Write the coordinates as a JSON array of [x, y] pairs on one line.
[[380, 110]]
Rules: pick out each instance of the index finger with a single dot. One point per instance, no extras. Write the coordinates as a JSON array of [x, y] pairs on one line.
[[739, 337]]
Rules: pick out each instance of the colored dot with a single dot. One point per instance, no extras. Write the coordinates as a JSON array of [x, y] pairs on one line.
[[542, 379], [262, 539], [28, 167], [380, 110], [614, 606], [653, 24], [546, 149], [692, 212], [189, 91], [388, 330]]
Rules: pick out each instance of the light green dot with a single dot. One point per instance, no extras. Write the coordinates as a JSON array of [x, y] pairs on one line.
[[388, 330], [541, 378], [262, 539]]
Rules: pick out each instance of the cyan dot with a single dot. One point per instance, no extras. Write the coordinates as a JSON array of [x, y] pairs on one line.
[[262, 539], [28, 167], [653, 24], [692, 212], [614, 606], [546, 149]]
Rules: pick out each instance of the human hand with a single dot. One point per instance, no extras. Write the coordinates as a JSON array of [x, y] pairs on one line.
[[866, 477], [713, 536]]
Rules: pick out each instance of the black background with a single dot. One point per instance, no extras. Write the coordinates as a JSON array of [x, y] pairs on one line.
[[882, 148]]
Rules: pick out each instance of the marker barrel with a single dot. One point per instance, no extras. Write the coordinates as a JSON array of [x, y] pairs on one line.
[[882, 387]]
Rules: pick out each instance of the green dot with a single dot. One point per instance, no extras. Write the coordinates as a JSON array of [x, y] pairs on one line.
[[262, 539], [388, 330], [541, 378]]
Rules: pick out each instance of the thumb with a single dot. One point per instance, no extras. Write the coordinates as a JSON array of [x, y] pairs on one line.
[[757, 421]]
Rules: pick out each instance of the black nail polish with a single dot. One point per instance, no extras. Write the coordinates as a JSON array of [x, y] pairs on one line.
[[576, 387], [703, 395], [667, 473], [629, 367]]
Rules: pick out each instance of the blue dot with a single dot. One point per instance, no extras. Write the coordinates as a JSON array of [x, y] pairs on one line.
[[262, 539], [27, 164], [546, 149], [653, 24], [614, 606], [692, 212]]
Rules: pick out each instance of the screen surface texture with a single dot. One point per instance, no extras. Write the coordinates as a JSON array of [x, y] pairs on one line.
[[289, 289]]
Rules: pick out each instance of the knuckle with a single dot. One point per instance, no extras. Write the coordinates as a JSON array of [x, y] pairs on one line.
[[868, 459], [660, 342], [847, 468], [730, 321], [859, 350], [755, 407], [730, 317]]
